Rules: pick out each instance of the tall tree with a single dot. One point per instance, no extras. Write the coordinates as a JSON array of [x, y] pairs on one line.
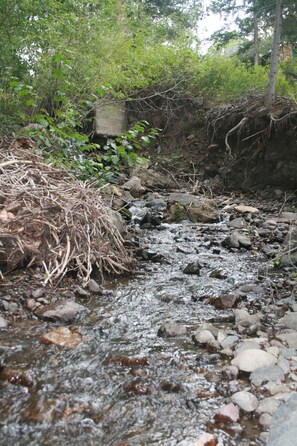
[[274, 55]]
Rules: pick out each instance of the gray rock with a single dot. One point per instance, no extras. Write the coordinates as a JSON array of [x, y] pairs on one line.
[[230, 341], [39, 292], [243, 318], [265, 420], [265, 374], [3, 322], [245, 400], [268, 405], [289, 215], [94, 287], [250, 360], [237, 223], [61, 311], [193, 268], [82, 292], [289, 338], [230, 372], [172, 329], [283, 431], [289, 321], [246, 346], [236, 240], [203, 337], [134, 186]]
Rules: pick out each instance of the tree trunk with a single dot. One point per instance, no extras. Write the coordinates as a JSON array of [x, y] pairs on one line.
[[256, 36], [270, 96]]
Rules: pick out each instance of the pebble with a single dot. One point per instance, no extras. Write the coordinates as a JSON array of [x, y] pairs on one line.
[[65, 311], [265, 420], [203, 336], [245, 400], [227, 414], [268, 405], [3, 322]]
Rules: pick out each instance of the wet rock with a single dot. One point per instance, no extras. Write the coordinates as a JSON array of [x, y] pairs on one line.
[[151, 219], [224, 301], [93, 286], [62, 337], [227, 414], [283, 430], [43, 410], [268, 405], [66, 311], [172, 329], [152, 256], [3, 322], [218, 274], [237, 223], [82, 292], [16, 377], [289, 321], [236, 240], [190, 207], [133, 362], [252, 359], [245, 400], [169, 387], [139, 388], [265, 374], [242, 209], [193, 268], [203, 336], [206, 440], [135, 187]]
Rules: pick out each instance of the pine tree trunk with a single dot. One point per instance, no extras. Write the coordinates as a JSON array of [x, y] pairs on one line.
[[270, 96], [256, 36]]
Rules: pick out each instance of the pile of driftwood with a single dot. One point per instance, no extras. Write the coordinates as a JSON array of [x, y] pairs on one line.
[[51, 220]]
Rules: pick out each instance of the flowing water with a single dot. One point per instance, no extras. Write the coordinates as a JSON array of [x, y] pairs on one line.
[[125, 385]]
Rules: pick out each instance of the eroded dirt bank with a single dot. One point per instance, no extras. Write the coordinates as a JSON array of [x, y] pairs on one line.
[[199, 347]]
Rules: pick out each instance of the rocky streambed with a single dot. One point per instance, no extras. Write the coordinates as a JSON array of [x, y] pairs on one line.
[[198, 348]]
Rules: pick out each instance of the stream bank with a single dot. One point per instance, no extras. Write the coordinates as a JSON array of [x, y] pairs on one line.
[[163, 357]]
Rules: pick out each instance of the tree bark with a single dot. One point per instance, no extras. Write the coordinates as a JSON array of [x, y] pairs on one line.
[[270, 96], [256, 36]]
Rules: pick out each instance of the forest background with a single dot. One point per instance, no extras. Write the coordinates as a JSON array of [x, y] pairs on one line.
[[59, 57]]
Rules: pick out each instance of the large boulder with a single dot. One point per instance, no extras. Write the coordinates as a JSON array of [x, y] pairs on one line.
[[283, 429], [184, 206]]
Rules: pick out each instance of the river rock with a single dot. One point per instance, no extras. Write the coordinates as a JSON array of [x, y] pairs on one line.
[[289, 321], [265, 374], [172, 329], [183, 206], [237, 223], [242, 209], [230, 341], [193, 268], [38, 292], [93, 286], [227, 414], [134, 186], [203, 336], [265, 420], [61, 311], [245, 400], [224, 301], [237, 240], [291, 216], [62, 337], [283, 430], [268, 405], [252, 359], [151, 179], [206, 440], [3, 322], [243, 318]]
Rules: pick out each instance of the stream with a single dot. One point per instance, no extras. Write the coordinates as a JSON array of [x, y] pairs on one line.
[[125, 384]]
